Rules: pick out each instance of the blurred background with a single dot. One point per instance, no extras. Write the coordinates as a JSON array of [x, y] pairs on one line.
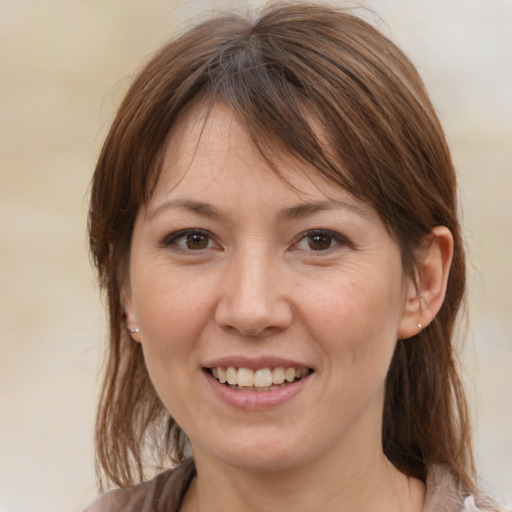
[[64, 66]]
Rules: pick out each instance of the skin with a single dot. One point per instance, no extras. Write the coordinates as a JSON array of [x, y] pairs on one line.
[[255, 283]]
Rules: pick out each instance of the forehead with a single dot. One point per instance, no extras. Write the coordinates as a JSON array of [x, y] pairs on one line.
[[209, 151]]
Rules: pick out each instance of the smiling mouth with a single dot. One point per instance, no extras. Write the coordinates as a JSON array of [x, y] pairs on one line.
[[264, 379]]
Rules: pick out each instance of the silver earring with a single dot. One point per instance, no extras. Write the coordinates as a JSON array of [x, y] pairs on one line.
[[134, 331], [419, 326]]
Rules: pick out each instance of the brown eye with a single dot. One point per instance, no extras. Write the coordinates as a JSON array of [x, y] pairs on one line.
[[190, 240], [319, 241], [197, 241]]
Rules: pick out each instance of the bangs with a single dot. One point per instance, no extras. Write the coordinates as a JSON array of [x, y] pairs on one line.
[[314, 93]]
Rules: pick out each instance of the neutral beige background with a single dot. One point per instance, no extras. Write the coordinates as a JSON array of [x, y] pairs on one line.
[[63, 68]]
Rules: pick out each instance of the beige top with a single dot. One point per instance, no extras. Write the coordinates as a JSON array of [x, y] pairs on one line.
[[165, 492]]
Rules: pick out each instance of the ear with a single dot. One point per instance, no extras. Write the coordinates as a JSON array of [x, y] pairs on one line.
[[425, 295], [129, 312]]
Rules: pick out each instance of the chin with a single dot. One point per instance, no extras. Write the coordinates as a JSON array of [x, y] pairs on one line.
[[259, 452], [262, 461]]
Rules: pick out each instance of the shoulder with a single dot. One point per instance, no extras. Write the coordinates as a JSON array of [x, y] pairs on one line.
[[444, 494], [164, 492]]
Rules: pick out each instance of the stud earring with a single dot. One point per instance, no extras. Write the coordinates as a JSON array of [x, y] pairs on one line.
[[420, 326], [134, 331]]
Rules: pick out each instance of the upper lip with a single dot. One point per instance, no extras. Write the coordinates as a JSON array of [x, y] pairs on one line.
[[253, 363]]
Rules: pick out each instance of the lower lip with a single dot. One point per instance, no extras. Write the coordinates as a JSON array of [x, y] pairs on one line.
[[256, 400]]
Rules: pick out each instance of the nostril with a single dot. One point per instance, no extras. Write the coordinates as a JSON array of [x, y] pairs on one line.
[[254, 327], [252, 313]]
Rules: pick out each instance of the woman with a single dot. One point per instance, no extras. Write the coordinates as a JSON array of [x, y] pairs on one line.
[[274, 221]]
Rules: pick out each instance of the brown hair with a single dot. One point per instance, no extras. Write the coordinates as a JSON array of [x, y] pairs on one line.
[[295, 63]]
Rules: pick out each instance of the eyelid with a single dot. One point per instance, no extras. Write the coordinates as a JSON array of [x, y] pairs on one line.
[[339, 239], [171, 239]]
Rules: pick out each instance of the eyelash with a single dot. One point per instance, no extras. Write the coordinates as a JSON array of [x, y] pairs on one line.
[[184, 235], [335, 240]]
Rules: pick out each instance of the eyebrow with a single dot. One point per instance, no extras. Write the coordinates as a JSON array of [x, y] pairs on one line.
[[292, 213], [305, 209], [197, 207]]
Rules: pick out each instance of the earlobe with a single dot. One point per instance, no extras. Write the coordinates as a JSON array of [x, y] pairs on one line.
[[426, 295], [129, 314]]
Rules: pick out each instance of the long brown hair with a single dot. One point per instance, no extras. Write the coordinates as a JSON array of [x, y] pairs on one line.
[[294, 64]]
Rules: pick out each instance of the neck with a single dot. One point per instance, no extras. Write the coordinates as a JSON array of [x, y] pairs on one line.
[[368, 484]]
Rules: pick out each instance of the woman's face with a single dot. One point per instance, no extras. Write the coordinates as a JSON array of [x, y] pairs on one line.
[[236, 275]]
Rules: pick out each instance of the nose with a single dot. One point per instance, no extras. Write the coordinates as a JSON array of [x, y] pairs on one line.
[[253, 299]]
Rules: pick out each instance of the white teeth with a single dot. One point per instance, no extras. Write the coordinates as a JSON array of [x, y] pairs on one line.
[[278, 375], [245, 377], [289, 374], [263, 379], [232, 376]]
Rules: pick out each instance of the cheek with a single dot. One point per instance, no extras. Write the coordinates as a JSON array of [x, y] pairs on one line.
[[357, 322], [171, 321], [355, 333], [171, 314], [167, 304]]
